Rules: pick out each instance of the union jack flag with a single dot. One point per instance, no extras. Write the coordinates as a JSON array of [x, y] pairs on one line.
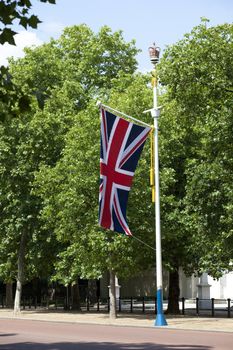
[[121, 145]]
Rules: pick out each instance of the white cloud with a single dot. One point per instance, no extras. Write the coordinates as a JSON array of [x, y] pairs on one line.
[[22, 39]]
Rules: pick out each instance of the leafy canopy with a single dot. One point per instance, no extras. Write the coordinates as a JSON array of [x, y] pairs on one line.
[[197, 73], [12, 11]]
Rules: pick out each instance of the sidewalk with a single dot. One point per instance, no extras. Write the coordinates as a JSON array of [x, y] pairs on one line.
[[144, 320]]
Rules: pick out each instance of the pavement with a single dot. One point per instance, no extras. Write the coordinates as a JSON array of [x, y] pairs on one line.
[[131, 320]]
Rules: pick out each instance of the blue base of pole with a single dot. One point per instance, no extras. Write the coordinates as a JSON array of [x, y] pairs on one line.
[[160, 318]]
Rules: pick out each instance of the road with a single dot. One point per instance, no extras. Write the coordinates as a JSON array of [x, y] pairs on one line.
[[16, 334]]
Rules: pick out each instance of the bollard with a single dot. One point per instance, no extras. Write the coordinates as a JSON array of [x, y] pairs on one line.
[[119, 304], [183, 307], [197, 306], [212, 307], [228, 308], [108, 304]]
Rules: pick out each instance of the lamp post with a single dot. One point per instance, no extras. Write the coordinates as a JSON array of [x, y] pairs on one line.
[[155, 112]]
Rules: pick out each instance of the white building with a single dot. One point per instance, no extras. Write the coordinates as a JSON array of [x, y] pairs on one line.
[[204, 287]]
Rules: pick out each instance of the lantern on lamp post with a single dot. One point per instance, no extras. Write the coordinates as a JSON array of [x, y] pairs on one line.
[[154, 52]]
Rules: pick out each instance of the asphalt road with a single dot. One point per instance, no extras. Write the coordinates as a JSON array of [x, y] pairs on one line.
[[18, 334]]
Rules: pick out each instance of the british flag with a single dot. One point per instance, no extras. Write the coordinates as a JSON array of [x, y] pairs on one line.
[[121, 145]]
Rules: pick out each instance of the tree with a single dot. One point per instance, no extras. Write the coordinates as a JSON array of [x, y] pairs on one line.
[[83, 63], [36, 139], [11, 11], [70, 191], [25, 246], [197, 74], [12, 95]]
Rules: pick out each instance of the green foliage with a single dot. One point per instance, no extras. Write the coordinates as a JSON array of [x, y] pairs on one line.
[[81, 63], [198, 68], [197, 74], [13, 99], [10, 11], [25, 143], [52, 143], [70, 194]]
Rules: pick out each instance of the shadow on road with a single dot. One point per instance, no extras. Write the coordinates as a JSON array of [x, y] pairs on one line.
[[99, 346], [7, 334]]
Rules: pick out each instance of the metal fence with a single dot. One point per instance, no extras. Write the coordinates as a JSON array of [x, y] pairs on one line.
[[195, 307]]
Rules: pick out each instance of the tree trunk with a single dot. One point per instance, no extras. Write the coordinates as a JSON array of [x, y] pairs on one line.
[[20, 276], [75, 296], [174, 292], [112, 295], [9, 295]]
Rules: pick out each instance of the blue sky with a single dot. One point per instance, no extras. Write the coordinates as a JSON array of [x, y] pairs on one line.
[[146, 21]]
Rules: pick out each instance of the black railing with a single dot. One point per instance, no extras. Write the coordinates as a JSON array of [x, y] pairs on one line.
[[194, 307], [211, 307]]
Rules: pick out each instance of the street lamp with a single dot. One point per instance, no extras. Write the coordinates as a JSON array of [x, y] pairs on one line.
[[155, 113]]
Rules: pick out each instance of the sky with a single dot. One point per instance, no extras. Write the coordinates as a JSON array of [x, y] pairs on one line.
[[161, 21]]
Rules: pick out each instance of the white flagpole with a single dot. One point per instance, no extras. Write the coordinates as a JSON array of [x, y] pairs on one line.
[[155, 112], [110, 109]]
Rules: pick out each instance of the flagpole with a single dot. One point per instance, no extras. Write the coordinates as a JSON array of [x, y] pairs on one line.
[[155, 113], [110, 109]]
